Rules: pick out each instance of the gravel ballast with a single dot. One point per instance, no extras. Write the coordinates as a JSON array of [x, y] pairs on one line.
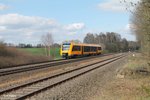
[[85, 87], [14, 79]]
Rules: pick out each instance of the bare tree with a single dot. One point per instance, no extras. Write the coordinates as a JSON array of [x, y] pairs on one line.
[[47, 41], [141, 23], [89, 38]]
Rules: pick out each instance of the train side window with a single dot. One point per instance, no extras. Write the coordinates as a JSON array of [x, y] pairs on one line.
[[76, 48], [86, 48], [99, 48], [93, 49], [89, 49]]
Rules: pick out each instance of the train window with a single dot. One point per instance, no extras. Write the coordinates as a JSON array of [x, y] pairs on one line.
[[87, 49], [93, 49], [65, 46], [76, 48], [99, 48]]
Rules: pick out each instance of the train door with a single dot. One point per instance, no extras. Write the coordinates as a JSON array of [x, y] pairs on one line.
[[82, 50]]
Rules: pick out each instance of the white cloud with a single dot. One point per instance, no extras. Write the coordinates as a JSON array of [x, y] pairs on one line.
[[1, 37], [111, 5], [126, 32], [2, 28], [17, 21], [74, 26], [20, 28], [28, 35], [125, 29], [129, 27], [115, 5], [3, 7]]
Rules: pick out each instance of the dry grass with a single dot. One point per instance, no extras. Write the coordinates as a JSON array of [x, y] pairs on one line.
[[125, 89], [11, 56], [136, 82], [132, 81], [136, 67]]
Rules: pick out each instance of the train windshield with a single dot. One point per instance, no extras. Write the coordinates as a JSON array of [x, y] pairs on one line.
[[66, 46]]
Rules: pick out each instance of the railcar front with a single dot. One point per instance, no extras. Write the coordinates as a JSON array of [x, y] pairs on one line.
[[99, 50], [65, 50]]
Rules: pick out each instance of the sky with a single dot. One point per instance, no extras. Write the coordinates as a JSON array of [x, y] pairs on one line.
[[25, 21]]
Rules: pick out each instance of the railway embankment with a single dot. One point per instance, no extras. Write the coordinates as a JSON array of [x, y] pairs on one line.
[[11, 56], [137, 74], [137, 66], [127, 78], [78, 81], [132, 81]]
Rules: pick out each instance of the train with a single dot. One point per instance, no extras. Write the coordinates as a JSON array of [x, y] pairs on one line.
[[71, 49]]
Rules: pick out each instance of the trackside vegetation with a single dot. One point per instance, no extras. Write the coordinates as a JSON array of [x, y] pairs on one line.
[[11, 56], [137, 72], [140, 23], [132, 80]]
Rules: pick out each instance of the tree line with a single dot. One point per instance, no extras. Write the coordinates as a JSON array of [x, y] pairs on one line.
[[140, 20], [24, 45], [111, 42]]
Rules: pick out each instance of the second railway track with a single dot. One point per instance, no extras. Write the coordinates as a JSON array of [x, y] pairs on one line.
[[29, 89], [35, 66]]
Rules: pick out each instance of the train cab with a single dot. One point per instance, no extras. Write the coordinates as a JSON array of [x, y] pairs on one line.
[[65, 49]]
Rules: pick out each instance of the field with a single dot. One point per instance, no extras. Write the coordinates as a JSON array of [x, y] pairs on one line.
[[41, 51]]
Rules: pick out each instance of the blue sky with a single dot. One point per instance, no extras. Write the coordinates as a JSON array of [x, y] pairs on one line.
[[25, 21]]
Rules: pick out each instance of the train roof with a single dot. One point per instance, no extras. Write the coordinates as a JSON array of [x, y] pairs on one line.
[[83, 44]]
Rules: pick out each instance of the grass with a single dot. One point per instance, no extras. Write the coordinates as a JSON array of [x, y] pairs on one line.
[[12, 56], [146, 89], [41, 51], [56, 53], [133, 86], [137, 65], [137, 71], [35, 51]]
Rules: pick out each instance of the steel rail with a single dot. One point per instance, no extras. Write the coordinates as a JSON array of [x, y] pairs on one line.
[[40, 80], [36, 66], [18, 65]]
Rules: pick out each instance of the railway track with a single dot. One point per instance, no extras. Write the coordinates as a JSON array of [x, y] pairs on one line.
[[35, 66], [7, 67], [26, 90]]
